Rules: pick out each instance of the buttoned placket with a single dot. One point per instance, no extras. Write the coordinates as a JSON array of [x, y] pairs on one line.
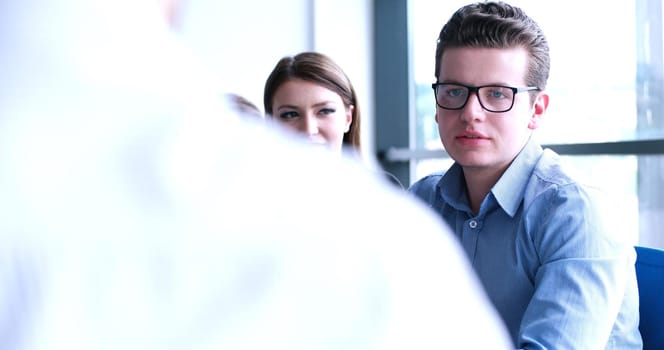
[[471, 230]]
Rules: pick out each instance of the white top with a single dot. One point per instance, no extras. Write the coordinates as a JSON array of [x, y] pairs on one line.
[[139, 214]]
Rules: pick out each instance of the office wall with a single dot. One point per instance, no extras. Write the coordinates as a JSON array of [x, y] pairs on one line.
[[241, 41]]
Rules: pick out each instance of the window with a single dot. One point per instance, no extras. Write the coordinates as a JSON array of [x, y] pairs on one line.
[[606, 113]]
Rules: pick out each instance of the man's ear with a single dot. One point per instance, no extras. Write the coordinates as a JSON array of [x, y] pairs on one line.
[[539, 108]]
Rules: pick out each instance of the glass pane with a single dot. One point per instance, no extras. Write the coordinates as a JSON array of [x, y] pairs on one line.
[[635, 184], [620, 182]]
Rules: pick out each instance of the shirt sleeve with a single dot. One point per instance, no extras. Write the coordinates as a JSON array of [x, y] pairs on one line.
[[585, 269]]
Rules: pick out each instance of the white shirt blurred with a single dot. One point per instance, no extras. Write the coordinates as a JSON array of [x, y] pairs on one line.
[[137, 213]]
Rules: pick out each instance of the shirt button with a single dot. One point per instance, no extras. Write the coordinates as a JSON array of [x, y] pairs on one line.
[[472, 224]]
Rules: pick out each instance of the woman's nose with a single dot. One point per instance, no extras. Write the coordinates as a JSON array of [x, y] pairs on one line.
[[310, 126]]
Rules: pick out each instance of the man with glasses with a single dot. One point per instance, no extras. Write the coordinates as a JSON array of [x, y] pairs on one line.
[[550, 260]]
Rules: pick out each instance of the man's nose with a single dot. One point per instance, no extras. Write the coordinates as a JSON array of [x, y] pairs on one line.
[[473, 108]]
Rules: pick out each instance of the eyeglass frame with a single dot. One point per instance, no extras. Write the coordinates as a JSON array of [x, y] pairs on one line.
[[475, 89]]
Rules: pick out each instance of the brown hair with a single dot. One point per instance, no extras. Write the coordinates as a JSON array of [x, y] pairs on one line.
[[322, 70], [497, 25]]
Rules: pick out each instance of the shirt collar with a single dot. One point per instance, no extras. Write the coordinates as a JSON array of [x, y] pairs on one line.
[[509, 190]]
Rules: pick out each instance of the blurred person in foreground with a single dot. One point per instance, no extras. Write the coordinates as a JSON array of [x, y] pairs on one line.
[[130, 218], [553, 263], [243, 105]]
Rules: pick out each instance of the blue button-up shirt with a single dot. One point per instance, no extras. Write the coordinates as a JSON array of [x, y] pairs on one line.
[[558, 272]]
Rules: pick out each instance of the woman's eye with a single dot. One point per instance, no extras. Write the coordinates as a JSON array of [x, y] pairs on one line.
[[327, 111], [288, 115]]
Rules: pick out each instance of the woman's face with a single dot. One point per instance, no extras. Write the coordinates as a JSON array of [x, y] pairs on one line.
[[313, 110]]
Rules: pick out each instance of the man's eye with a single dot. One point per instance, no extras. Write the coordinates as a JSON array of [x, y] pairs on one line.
[[497, 94], [454, 92], [288, 115]]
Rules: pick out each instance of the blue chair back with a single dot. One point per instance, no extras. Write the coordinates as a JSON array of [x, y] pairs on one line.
[[650, 277]]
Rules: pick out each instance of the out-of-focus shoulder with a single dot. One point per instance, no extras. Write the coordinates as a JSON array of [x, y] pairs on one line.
[[427, 182]]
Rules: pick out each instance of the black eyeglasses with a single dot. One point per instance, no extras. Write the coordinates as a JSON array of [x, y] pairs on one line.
[[493, 98]]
